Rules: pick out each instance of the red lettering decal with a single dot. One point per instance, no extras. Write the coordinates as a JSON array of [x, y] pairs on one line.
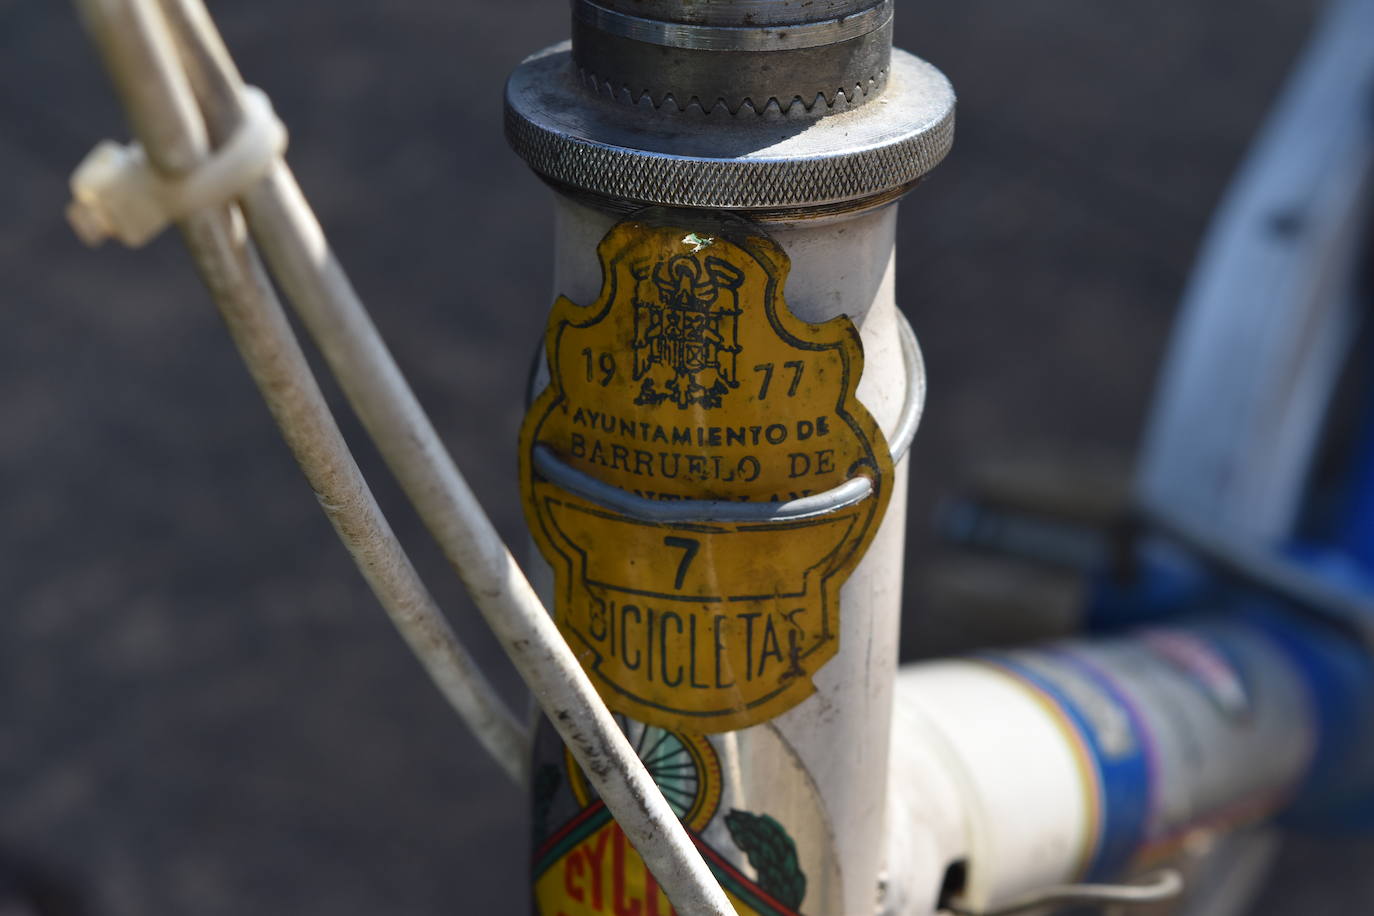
[[622, 907], [573, 866], [595, 858], [652, 893]]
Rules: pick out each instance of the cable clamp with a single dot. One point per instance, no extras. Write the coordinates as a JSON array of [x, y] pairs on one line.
[[1156, 887], [117, 193]]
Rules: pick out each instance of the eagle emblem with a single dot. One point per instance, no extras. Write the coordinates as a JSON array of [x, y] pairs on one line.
[[686, 330]]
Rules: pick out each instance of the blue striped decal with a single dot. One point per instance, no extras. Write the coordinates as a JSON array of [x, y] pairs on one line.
[[1114, 738]]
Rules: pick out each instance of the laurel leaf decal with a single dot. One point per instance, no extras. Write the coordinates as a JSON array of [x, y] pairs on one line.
[[772, 853]]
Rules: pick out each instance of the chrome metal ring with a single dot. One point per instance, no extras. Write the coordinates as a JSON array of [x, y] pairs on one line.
[[769, 37], [702, 511], [915, 401]]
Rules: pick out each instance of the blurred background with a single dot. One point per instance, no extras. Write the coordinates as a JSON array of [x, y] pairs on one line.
[[201, 708]]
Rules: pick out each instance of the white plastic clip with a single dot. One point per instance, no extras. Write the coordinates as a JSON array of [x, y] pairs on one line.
[[115, 192]]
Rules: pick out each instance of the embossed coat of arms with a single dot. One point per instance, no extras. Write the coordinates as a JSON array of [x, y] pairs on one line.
[[686, 333]]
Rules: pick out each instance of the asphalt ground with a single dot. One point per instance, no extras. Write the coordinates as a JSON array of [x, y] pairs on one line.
[[202, 710]]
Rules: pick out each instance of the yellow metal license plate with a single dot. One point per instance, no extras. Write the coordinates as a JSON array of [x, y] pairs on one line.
[[689, 379]]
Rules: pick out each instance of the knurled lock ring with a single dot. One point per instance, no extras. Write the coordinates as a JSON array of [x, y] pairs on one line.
[[633, 153]]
